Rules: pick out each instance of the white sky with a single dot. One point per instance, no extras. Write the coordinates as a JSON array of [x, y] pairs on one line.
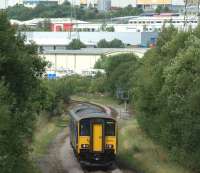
[[8, 2]]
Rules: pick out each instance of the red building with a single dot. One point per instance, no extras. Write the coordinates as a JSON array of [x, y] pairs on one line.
[[56, 27]]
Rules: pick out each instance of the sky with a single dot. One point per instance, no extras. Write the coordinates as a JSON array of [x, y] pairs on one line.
[[8, 2]]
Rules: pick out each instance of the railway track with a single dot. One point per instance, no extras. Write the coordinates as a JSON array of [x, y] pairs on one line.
[[107, 109], [60, 157]]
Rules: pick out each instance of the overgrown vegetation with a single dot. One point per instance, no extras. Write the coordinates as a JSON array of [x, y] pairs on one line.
[[24, 96], [21, 98], [45, 132], [59, 11], [167, 95], [138, 151], [164, 88], [120, 71], [162, 9]]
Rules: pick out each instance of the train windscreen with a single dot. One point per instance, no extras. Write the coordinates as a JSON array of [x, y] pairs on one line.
[[85, 127], [109, 128]]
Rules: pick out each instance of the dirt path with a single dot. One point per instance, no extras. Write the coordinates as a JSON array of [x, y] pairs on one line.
[[61, 159]]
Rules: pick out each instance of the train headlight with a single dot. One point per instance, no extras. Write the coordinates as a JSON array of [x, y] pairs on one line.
[[109, 146], [84, 146]]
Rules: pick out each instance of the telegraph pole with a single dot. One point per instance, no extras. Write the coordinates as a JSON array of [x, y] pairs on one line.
[[6, 4], [198, 14], [185, 15]]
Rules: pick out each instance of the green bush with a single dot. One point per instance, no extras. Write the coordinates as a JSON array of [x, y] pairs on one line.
[[20, 87], [167, 94]]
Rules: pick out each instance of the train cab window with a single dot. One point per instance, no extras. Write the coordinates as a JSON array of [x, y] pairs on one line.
[[110, 128], [85, 128]]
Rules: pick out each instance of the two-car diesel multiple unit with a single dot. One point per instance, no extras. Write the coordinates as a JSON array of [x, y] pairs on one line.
[[93, 135]]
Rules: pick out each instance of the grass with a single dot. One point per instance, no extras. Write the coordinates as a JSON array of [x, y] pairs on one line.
[[46, 130], [136, 150]]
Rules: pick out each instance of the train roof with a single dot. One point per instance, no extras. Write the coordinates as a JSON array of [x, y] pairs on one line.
[[87, 111]]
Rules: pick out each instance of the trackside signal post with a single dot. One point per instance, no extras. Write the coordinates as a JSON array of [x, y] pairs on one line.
[[123, 95]]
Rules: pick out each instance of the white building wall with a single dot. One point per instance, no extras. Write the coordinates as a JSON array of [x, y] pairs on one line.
[[77, 63]]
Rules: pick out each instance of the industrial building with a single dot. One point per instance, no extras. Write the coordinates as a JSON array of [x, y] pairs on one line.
[[59, 40], [156, 22], [53, 47], [67, 62], [152, 4], [149, 22]]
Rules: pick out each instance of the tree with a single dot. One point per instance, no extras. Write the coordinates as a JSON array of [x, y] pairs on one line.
[[161, 9], [116, 44], [112, 44], [20, 73], [76, 44], [158, 9], [52, 11], [166, 94], [120, 71], [103, 44]]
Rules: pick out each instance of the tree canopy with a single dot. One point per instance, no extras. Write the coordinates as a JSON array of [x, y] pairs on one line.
[[64, 10], [164, 87], [167, 94], [110, 44], [76, 44], [20, 98]]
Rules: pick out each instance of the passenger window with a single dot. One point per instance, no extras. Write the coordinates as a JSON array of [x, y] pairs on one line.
[[110, 128], [85, 128]]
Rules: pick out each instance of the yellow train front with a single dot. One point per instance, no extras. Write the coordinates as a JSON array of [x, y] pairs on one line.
[[93, 136]]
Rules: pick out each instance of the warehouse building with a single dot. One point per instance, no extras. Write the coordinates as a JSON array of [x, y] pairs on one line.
[[60, 40], [66, 62]]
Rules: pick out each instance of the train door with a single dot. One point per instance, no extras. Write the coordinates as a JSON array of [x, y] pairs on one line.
[[97, 129]]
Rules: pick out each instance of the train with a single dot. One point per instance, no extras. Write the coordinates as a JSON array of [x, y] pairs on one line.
[[93, 135]]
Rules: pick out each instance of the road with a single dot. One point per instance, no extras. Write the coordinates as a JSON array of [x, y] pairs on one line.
[[61, 159]]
